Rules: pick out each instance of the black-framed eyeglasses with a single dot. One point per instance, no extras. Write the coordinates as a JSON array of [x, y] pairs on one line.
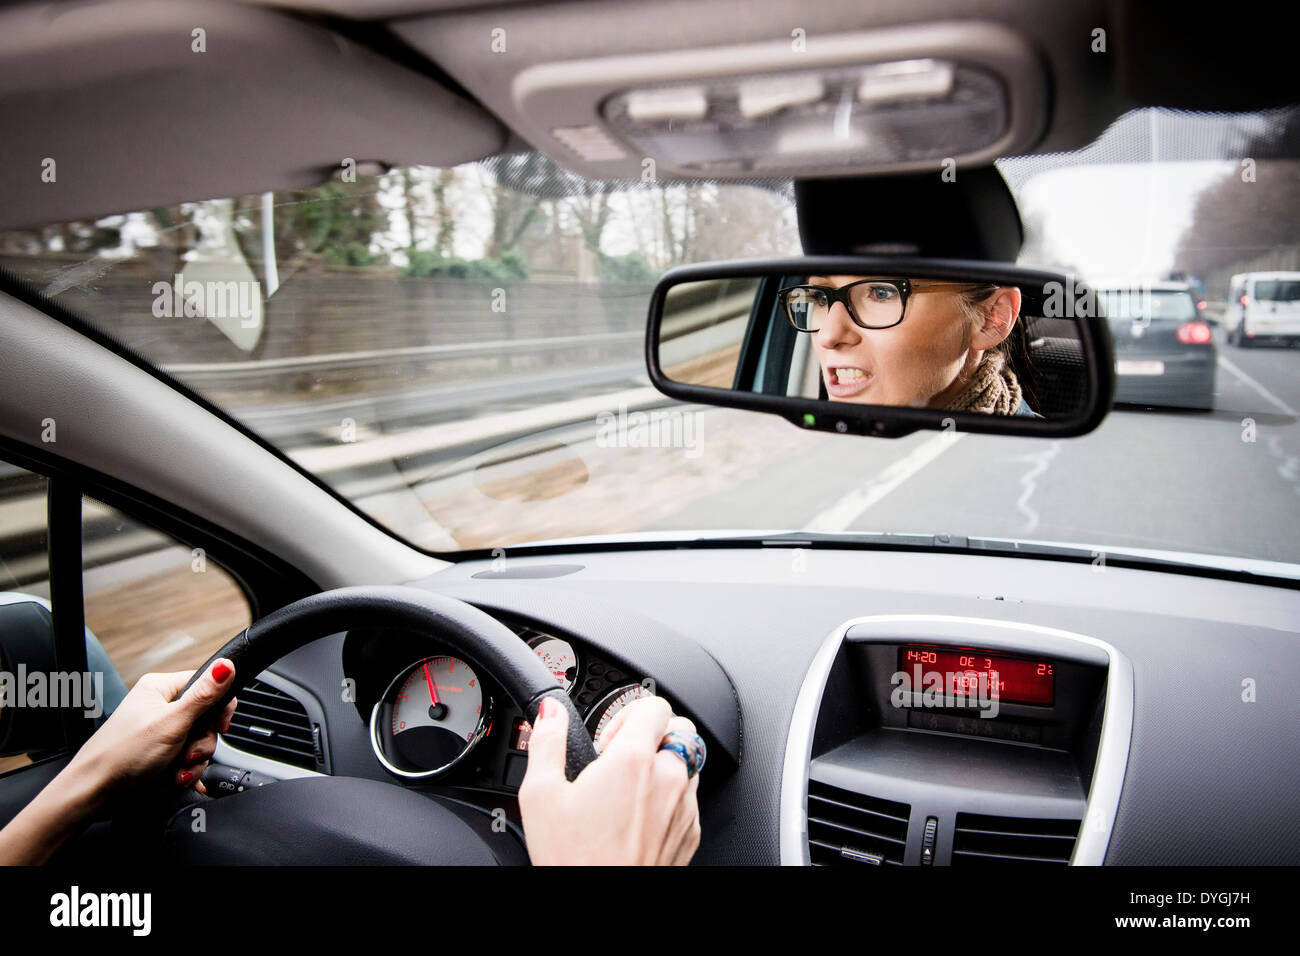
[[871, 303]]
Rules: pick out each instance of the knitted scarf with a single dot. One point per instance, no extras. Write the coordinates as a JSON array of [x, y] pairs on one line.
[[991, 390]]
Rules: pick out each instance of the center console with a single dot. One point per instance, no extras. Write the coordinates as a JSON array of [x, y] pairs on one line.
[[933, 740]]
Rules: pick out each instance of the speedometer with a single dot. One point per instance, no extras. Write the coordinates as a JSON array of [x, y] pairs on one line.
[[610, 705], [430, 717]]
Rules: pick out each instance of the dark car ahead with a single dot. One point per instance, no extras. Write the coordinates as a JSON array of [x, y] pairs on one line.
[[1164, 349]]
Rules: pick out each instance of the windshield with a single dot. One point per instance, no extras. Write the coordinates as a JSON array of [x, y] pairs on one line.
[[459, 353]]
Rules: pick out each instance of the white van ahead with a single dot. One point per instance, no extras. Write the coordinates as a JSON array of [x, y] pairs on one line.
[[1263, 306]]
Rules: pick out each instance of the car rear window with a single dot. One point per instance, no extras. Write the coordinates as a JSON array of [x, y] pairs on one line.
[[1277, 290], [1128, 304]]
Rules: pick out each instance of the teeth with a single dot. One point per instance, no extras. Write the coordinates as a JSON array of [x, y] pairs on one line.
[[850, 374]]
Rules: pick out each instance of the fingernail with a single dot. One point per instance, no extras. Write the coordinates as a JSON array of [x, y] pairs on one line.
[[220, 671], [195, 757], [546, 708], [186, 776]]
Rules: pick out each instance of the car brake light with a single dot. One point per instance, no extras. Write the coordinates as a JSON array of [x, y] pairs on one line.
[[1200, 304], [1194, 333], [1245, 300]]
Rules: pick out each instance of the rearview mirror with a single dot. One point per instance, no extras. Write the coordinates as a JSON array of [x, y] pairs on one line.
[[885, 345]]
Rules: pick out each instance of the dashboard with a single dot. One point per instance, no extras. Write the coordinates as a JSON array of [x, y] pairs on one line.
[[1163, 734]]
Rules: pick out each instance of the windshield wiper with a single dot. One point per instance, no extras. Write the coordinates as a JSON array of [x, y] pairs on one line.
[[1205, 565], [1120, 556]]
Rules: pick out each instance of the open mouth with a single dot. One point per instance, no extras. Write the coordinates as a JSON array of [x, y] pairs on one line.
[[844, 380]]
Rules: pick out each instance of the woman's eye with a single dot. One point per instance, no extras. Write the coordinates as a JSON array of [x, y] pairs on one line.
[[881, 293]]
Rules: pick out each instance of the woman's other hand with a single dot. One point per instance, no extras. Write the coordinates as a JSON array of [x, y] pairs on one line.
[[634, 805]]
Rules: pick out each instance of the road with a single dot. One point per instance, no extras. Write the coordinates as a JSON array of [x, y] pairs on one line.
[[1186, 481]]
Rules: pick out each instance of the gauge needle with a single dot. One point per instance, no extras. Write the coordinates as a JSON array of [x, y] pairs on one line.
[[433, 695]]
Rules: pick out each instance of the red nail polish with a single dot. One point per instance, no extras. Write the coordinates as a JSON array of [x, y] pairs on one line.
[[186, 776], [195, 757], [544, 709], [220, 671]]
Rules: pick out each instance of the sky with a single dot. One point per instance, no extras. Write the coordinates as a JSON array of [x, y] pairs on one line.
[[1122, 219]]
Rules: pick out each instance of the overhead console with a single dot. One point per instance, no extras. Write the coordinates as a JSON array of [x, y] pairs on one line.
[[933, 741]]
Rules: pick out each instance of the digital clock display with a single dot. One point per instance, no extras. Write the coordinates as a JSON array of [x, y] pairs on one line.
[[1011, 680]]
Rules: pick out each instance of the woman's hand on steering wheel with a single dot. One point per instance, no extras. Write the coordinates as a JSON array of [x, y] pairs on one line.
[[148, 734], [634, 805], [145, 735]]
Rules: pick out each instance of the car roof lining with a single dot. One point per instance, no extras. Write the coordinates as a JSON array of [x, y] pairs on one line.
[[283, 98]]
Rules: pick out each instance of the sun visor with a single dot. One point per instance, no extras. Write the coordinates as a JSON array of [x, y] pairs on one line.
[[109, 107]]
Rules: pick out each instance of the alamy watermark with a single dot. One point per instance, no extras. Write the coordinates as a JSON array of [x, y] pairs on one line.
[[234, 299], [948, 689], [1075, 299], [61, 689], [674, 428], [76, 908]]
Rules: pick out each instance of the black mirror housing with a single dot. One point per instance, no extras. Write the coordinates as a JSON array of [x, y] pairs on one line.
[[731, 319]]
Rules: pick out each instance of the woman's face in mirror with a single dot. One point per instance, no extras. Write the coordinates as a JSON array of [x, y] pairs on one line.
[[916, 363]]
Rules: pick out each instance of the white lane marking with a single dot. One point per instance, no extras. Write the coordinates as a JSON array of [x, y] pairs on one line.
[[1289, 469], [1283, 406], [1029, 481], [842, 514]]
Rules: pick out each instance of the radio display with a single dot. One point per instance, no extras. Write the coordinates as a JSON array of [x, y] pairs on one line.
[[1012, 680]]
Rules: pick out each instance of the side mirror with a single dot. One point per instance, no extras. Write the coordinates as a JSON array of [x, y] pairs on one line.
[[882, 345], [26, 647]]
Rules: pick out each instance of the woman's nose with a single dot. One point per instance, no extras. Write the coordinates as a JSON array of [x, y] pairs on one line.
[[838, 328]]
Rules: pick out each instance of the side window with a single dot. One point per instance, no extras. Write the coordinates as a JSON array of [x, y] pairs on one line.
[[152, 603], [26, 640]]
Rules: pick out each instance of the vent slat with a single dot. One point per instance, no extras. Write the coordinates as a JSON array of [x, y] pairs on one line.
[[1008, 858], [1012, 833], [854, 830], [281, 727], [840, 820], [849, 806], [980, 839], [292, 738]]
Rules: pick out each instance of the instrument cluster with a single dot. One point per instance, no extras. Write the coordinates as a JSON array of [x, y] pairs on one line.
[[439, 718]]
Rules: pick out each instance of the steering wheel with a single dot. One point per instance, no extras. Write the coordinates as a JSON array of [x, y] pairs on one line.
[[324, 820]]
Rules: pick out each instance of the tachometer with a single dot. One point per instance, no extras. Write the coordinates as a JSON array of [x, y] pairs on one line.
[[559, 657], [610, 705], [430, 717]]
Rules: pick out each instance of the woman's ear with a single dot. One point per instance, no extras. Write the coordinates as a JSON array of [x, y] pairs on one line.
[[1001, 310]]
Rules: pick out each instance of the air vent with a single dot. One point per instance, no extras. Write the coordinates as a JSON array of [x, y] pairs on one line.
[[983, 839], [270, 723], [850, 828]]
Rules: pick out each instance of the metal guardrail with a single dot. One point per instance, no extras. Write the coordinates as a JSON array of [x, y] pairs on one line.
[[300, 424], [225, 370]]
